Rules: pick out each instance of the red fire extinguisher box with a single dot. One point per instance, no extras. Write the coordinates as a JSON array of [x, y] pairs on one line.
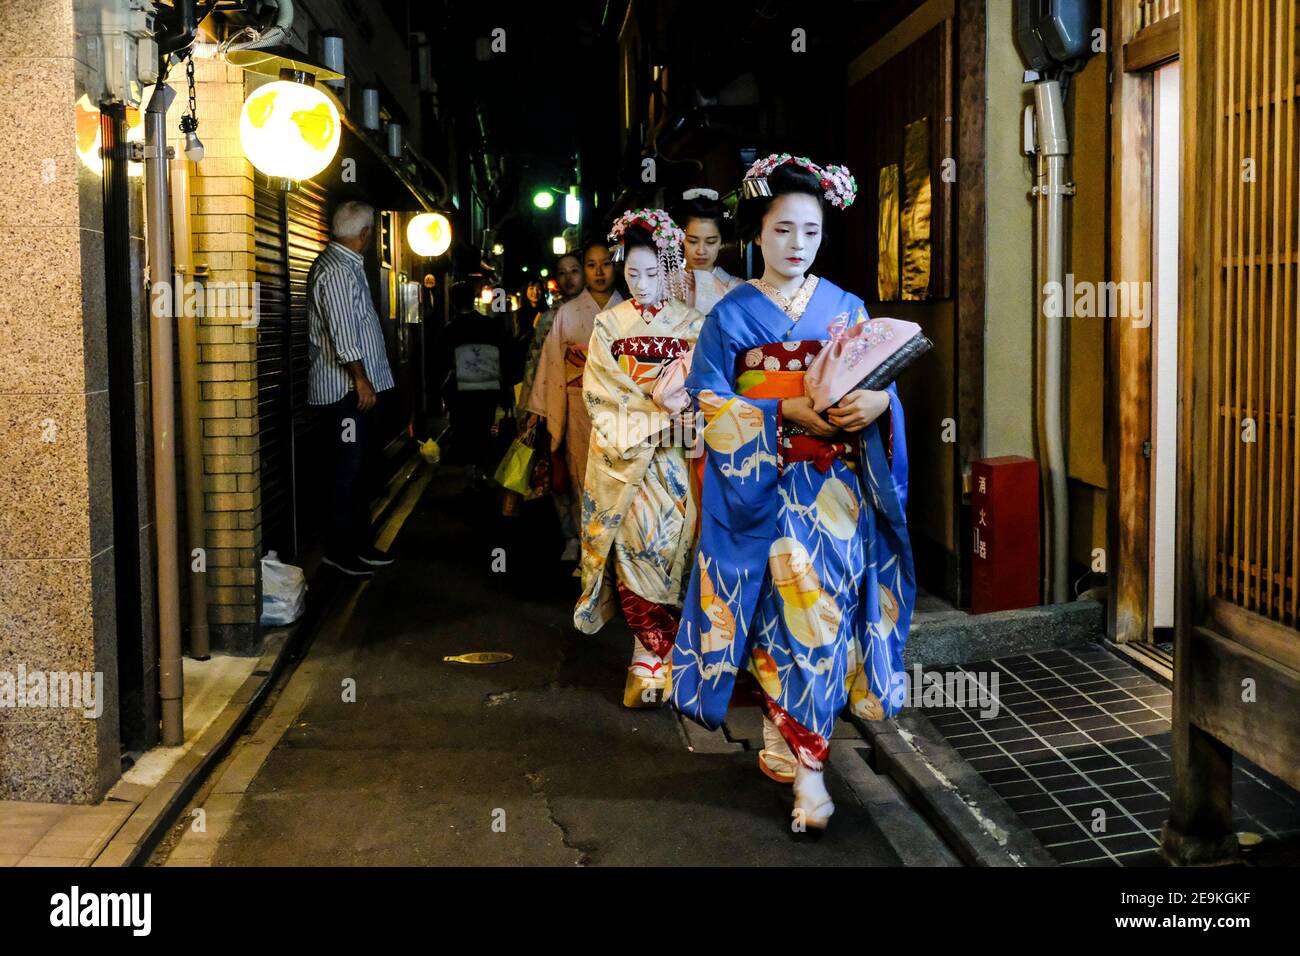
[[1005, 534]]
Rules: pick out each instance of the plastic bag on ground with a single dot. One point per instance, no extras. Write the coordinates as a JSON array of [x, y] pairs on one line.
[[284, 591]]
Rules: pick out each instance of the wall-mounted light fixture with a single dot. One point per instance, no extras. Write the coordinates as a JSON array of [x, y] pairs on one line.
[[370, 108], [331, 50], [429, 234], [288, 129], [190, 119]]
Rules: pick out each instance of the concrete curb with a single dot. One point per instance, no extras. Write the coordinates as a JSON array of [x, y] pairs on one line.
[[145, 828], [909, 834], [956, 639], [896, 822], [974, 820], [136, 839]]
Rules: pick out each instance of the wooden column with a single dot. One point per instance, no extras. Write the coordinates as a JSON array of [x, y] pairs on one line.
[[972, 37]]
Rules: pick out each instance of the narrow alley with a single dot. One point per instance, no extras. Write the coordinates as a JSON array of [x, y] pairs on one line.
[[425, 419], [529, 762]]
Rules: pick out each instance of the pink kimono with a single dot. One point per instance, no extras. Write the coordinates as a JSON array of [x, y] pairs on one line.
[[706, 288], [557, 387]]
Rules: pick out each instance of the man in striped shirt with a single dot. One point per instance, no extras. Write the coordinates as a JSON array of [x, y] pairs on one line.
[[348, 374]]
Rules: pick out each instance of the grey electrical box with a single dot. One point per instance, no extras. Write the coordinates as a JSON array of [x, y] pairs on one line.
[[1052, 33], [119, 51]]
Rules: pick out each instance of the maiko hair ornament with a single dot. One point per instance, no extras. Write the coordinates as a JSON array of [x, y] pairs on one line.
[[700, 193], [837, 183], [668, 239]]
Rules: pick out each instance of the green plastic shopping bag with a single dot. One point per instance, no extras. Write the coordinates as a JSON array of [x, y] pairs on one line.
[[516, 467]]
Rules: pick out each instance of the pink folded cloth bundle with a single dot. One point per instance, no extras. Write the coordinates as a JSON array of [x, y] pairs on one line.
[[867, 355], [669, 391]]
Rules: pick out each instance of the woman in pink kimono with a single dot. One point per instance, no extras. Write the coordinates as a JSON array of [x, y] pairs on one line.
[[557, 388], [703, 217], [638, 504]]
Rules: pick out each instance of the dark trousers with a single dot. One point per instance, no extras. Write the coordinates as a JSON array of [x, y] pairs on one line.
[[472, 414], [348, 456]]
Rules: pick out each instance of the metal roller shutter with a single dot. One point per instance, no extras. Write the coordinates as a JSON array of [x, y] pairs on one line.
[[307, 234], [290, 233], [274, 405]]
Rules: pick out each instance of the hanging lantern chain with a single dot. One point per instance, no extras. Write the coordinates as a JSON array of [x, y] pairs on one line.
[[190, 122]]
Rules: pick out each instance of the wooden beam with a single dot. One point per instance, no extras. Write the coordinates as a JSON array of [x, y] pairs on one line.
[[916, 25], [1200, 825], [1154, 45], [1128, 367], [1278, 643], [1247, 701]]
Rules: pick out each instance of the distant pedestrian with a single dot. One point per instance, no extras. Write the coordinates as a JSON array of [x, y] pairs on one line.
[[556, 394], [569, 281], [475, 362], [348, 374]]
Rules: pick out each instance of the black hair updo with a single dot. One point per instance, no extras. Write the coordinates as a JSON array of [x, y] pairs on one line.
[[785, 179], [701, 207], [637, 235]]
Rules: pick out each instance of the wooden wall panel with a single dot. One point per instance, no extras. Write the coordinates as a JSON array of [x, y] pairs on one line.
[[1254, 476]]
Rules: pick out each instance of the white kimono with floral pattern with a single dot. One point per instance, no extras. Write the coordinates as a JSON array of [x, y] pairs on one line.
[[638, 500]]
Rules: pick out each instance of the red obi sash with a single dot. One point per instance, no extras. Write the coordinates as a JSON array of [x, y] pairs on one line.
[[779, 357], [776, 370], [643, 356], [651, 347]]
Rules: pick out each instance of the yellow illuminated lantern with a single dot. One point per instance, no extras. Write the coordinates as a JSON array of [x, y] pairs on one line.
[[429, 234], [289, 130]]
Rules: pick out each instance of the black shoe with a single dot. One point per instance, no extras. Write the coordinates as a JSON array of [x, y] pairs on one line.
[[374, 557], [350, 565]]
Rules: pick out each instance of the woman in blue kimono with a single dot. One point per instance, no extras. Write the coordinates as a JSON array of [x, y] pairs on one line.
[[804, 571]]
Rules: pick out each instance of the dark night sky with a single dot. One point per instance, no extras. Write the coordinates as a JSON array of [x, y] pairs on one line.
[[537, 100], [556, 86]]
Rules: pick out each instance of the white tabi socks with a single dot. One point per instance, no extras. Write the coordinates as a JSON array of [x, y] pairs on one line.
[[647, 676], [775, 759], [812, 802]]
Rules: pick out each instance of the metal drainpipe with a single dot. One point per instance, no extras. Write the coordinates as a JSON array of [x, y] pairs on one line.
[[1052, 190], [158, 227], [191, 429]]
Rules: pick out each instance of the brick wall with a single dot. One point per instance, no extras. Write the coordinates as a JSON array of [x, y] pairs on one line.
[[221, 191]]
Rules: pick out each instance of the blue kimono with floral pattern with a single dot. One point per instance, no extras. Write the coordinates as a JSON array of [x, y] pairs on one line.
[[803, 575]]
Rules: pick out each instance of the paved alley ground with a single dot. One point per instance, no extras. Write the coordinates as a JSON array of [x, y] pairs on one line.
[[533, 761]]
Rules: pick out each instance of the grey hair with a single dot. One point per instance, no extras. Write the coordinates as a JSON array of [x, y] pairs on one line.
[[352, 217]]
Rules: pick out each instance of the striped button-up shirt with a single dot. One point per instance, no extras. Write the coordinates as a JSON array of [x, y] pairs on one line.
[[342, 327]]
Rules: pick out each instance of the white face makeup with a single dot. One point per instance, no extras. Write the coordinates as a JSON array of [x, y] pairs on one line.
[[702, 244], [568, 276], [641, 272], [792, 234]]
